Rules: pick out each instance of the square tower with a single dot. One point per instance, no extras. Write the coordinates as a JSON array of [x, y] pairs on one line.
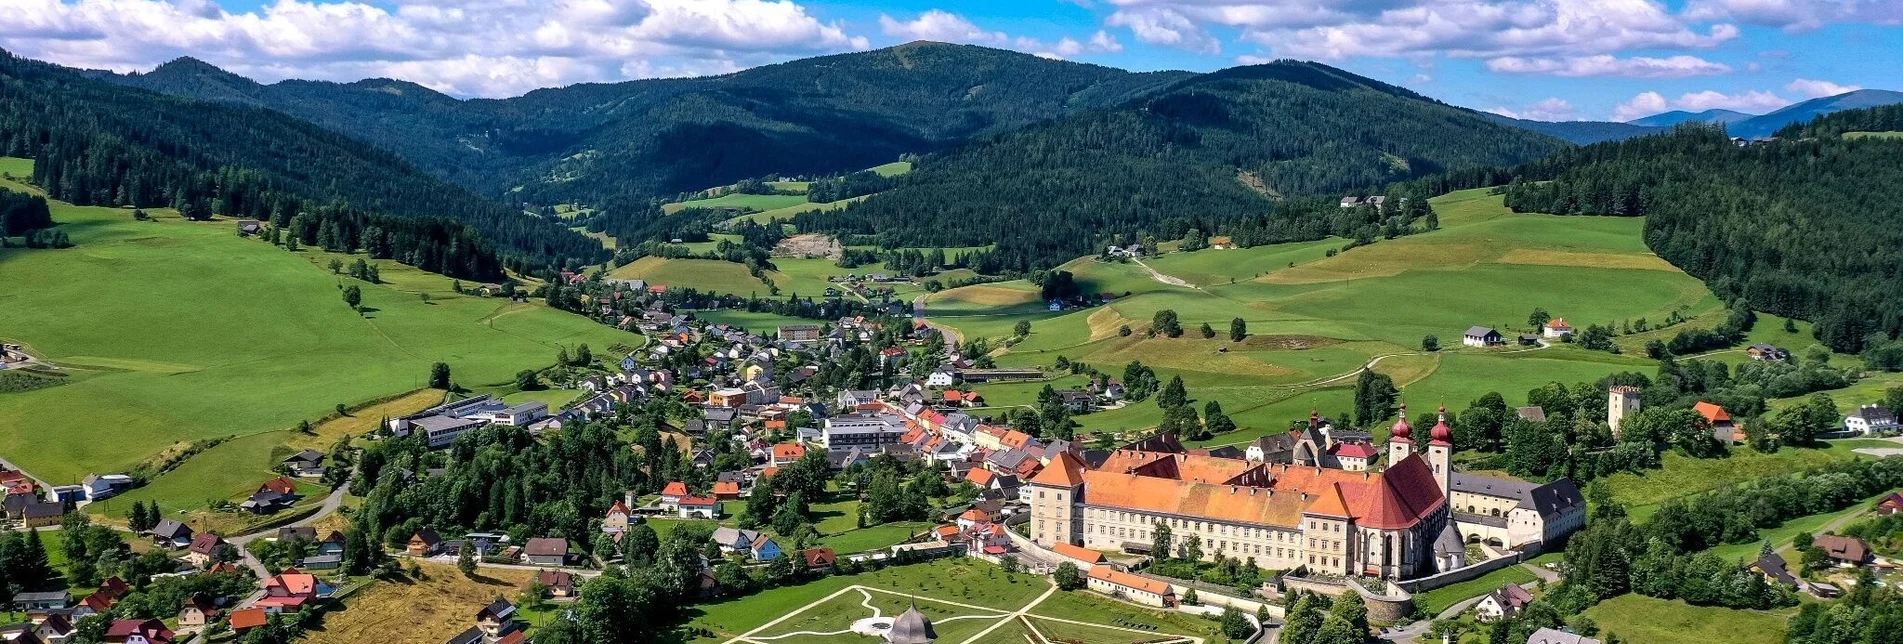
[[1620, 401]]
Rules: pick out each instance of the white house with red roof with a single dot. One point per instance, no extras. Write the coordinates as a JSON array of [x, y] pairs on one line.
[[291, 591], [1557, 328], [617, 518], [671, 495]]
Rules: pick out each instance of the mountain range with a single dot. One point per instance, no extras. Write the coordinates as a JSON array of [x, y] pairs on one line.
[[1751, 126]]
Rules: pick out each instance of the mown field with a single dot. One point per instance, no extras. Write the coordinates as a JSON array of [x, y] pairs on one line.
[[178, 331], [433, 608], [1316, 318]]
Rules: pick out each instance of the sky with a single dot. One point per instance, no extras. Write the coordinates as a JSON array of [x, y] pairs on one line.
[[1538, 59]]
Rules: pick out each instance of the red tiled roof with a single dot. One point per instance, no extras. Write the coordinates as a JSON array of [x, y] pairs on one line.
[[788, 451], [675, 488], [980, 477], [1127, 580], [699, 501], [1355, 450], [248, 618], [726, 487], [1712, 413], [1079, 553], [618, 508], [1064, 471], [975, 514]]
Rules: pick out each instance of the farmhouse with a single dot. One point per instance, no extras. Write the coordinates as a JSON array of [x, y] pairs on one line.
[[546, 551], [697, 507], [1846, 551], [1135, 588], [1766, 352], [1557, 328], [1890, 504], [1504, 603], [1480, 336], [1871, 419], [1722, 427]]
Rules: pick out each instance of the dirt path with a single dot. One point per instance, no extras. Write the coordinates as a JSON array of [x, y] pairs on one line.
[[1165, 278]]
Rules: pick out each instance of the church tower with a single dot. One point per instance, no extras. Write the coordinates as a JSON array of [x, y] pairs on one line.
[[1400, 439], [1440, 454]]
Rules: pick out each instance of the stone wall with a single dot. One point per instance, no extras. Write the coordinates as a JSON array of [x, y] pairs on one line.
[[1390, 607], [1458, 575]]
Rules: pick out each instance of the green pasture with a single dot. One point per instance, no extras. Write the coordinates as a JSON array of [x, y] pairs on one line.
[[737, 200], [1637, 618], [176, 331], [700, 274]]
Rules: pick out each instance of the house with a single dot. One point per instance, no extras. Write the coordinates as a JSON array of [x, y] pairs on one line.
[[1535, 413], [1766, 352], [306, 464], [249, 227], [95, 604], [424, 543], [1480, 336], [496, 620], [244, 620], [765, 549], [672, 493], [1845, 551], [199, 609], [799, 333], [104, 486], [1356, 456], [1890, 504], [1776, 571], [1871, 419], [1551, 636], [134, 631], [699, 507], [1721, 425], [171, 534], [1350, 202], [546, 551], [40, 515], [727, 490], [1076, 401], [288, 534], [290, 592], [560, 583], [321, 562], [55, 600], [785, 454], [819, 558], [942, 377], [204, 549], [1274, 448], [1130, 587], [617, 518], [735, 540], [54, 628], [1503, 603], [1557, 328]]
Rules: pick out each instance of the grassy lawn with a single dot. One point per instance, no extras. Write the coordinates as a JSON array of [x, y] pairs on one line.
[[223, 336], [1438, 599], [700, 274], [961, 580], [1781, 536], [1636, 618], [1682, 476], [1087, 606], [755, 322], [737, 200]]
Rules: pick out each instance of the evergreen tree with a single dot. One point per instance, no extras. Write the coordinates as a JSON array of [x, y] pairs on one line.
[[439, 376], [1238, 330], [1173, 394]]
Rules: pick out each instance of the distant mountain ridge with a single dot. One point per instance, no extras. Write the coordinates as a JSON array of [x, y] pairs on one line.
[[660, 137], [1752, 126], [1578, 132]]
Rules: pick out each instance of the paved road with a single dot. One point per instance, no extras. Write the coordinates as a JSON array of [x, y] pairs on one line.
[[952, 337]]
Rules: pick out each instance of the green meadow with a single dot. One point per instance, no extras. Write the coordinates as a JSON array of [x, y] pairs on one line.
[[178, 331], [1315, 317]]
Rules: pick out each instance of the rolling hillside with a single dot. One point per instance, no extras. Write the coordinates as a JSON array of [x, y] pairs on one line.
[[1213, 148], [660, 137], [179, 331], [1580, 132], [104, 144]]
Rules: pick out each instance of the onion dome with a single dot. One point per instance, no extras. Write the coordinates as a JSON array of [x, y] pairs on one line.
[[1443, 433], [1314, 418], [1401, 430]]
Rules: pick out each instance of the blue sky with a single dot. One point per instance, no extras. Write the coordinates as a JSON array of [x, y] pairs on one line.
[[1546, 59]]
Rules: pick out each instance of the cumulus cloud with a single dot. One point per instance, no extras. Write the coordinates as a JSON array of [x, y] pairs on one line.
[[1797, 15], [1552, 109], [940, 26], [465, 47], [1609, 65], [1473, 28], [1808, 88], [1649, 103], [1166, 26]]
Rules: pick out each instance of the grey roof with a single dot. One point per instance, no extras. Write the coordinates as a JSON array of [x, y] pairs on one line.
[[1874, 413], [442, 423], [56, 595], [546, 547], [1480, 331], [171, 530], [1273, 443], [1548, 500], [1535, 413], [1774, 566], [1550, 636], [1449, 541], [911, 627]]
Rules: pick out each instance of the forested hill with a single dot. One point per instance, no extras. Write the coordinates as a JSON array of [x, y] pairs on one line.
[[641, 139], [1809, 225], [99, 143], [1213, 148]]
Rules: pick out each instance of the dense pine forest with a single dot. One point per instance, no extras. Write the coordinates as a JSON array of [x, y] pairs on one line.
[[1804, 226], [98, 144], [1220, 147]]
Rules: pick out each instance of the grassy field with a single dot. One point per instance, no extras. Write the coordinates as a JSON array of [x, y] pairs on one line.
[[1682, 475], [441, 604], [1640, 619], [1439, 599], [737, 200], [699, 274], [960, 580], [222, 336]]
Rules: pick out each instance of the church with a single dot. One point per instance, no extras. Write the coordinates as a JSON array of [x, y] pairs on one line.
[[1399, 522]]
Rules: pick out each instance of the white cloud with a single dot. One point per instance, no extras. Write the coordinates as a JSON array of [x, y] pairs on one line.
[[940, 26], [1100, 43], [1609, 65], [1552, 109], [1475, 28], [1817, 89], [1641, 106], [1650, 103], [1797, 15], [1165, 26], [465, 47]]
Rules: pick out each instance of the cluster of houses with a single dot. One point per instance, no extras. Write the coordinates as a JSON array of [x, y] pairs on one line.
[[1843, 553], [1484, 336]]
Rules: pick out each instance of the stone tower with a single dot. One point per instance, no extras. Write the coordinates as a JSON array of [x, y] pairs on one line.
[[1620, 401]]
